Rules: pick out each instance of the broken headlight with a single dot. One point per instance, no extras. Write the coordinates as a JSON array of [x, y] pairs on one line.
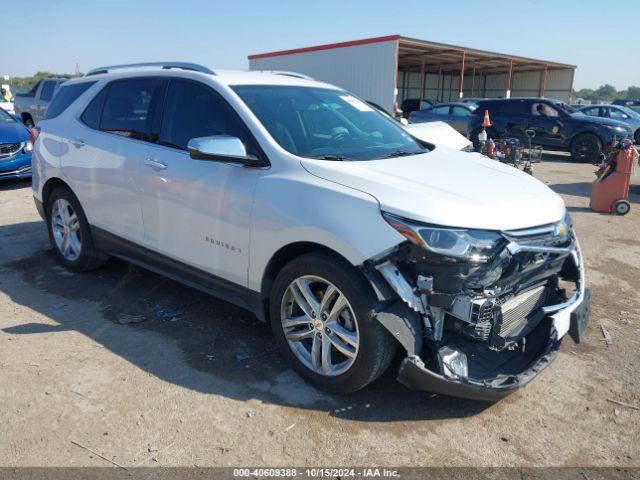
[[476, 246]]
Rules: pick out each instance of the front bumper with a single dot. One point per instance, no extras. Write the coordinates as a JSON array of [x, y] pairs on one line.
[[16, 167], [414, 374], [493, 373]]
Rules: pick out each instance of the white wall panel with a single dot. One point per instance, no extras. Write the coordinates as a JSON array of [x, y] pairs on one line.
[[368, 71]]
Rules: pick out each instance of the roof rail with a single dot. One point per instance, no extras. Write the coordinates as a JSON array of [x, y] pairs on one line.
[[164, 65], [290, 74]]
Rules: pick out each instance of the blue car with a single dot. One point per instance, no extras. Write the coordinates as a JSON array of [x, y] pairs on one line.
[[15, 148], [621, 113]]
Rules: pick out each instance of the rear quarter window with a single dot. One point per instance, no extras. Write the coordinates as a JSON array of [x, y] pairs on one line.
[[65, 97]]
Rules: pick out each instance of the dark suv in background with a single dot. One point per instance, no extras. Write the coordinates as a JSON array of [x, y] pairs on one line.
[[557, 126]]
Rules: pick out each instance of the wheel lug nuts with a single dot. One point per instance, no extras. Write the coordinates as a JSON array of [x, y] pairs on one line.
[[327, 329]]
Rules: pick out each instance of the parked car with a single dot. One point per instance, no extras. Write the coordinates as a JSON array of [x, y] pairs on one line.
[[616, 112], [300, 202], [413, 104], [455, 114], [440, 134], [15, 148], [556, 125], [473, 101], [31, 106]]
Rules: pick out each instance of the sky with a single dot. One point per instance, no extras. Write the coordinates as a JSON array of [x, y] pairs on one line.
[[54, 35]]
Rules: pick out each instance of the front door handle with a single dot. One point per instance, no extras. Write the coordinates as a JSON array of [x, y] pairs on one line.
[[79, 143], [155, 164]]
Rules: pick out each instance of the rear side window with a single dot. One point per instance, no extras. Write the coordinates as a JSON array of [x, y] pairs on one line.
[[65, 97], [194, 110], [91, 114], [127, 107], [460, 111], [47, 90]]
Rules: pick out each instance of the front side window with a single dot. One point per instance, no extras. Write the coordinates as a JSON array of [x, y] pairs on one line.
[[326, 124], [127, 107], [194, 110], [65, 97], [617, 114], [47, 90]]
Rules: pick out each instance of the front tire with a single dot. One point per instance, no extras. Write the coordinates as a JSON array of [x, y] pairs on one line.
[[69, 232], [586, 147], [322, 315]]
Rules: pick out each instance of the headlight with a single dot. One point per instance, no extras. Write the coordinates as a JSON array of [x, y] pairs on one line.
[[475, 246]]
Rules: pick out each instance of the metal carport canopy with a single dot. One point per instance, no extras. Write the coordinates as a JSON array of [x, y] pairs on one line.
[[424, 56]]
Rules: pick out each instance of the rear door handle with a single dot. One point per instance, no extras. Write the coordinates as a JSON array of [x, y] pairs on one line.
[[155, 164], [79, 143]]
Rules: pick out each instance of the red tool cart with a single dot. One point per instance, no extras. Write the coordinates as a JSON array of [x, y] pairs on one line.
[[609, 192]]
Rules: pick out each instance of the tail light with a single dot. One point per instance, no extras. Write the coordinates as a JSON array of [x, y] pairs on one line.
[[35, 131]]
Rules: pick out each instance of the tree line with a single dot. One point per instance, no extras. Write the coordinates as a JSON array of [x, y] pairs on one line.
[[608, 92]]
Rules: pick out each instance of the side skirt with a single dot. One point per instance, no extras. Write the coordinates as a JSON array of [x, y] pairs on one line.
[[178, 271]]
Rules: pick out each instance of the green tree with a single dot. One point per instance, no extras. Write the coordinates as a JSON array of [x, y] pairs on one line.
[[606, 92], [633, 92]]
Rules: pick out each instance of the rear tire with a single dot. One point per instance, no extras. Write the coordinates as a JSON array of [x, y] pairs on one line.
[[301, 333], [28, 122], [636, 137], [69, 232], [586, 147]]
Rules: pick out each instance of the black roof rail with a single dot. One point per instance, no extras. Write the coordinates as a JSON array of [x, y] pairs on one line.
[[164, 65]]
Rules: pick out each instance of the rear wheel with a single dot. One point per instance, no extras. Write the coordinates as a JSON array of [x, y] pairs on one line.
[[586, 147], [28, 122], [636, 136], [69, 232], [322, 316], [621, 207]]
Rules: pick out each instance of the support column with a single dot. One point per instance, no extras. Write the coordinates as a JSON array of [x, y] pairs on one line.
[[422, 82], [461, 94], [543, 81], [510, 83], [473, 78]]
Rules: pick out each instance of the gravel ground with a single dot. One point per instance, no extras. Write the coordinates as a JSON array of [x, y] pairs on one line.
[[199, 382]]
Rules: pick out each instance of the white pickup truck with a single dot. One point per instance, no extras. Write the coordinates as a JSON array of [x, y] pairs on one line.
[[31, 106]]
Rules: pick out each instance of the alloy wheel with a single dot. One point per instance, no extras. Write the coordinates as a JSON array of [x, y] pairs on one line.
[[320, 325], [65, 226]]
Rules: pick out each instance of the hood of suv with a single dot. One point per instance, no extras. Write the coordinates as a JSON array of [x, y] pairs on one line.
[[448, 187], [581, 117]]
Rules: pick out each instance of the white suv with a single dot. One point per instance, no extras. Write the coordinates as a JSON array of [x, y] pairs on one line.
[[298, 201]]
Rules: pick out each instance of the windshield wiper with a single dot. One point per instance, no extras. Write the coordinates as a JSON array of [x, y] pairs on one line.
[[337, 158], [400, 153]]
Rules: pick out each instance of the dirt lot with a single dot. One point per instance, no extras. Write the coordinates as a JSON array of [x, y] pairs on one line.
[[199, 381]]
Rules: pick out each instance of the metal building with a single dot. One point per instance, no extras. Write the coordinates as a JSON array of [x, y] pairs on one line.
[[389, 69]]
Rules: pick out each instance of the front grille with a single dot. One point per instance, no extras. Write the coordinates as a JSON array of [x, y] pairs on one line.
[[9, 149]]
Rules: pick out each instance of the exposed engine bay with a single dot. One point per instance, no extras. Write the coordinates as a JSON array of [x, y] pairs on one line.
[[485, 319]]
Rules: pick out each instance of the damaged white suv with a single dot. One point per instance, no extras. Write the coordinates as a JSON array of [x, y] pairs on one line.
[[300, 202]]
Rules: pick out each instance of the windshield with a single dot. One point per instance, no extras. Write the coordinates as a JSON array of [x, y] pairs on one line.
[[5, 117], [630, 112], [565, 108], [326, 124]]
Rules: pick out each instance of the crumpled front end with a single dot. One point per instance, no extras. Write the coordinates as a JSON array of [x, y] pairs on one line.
[[482, 327]]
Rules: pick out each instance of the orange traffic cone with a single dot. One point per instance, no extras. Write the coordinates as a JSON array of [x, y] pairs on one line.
[[487, 122]]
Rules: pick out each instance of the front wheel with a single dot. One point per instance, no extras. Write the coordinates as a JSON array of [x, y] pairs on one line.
[[586, 147], [322, 316]]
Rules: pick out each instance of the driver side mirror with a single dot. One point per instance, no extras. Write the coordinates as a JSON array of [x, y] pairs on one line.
[[221, 148]]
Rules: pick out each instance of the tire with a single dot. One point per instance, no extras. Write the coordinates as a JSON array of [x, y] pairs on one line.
[[28, 122], [374, 346], [491, 133], [636, 137], [64, 211], [586, 147], [621, 207]]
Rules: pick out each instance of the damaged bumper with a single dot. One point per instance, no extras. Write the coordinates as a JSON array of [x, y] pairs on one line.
[[500, 335]]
